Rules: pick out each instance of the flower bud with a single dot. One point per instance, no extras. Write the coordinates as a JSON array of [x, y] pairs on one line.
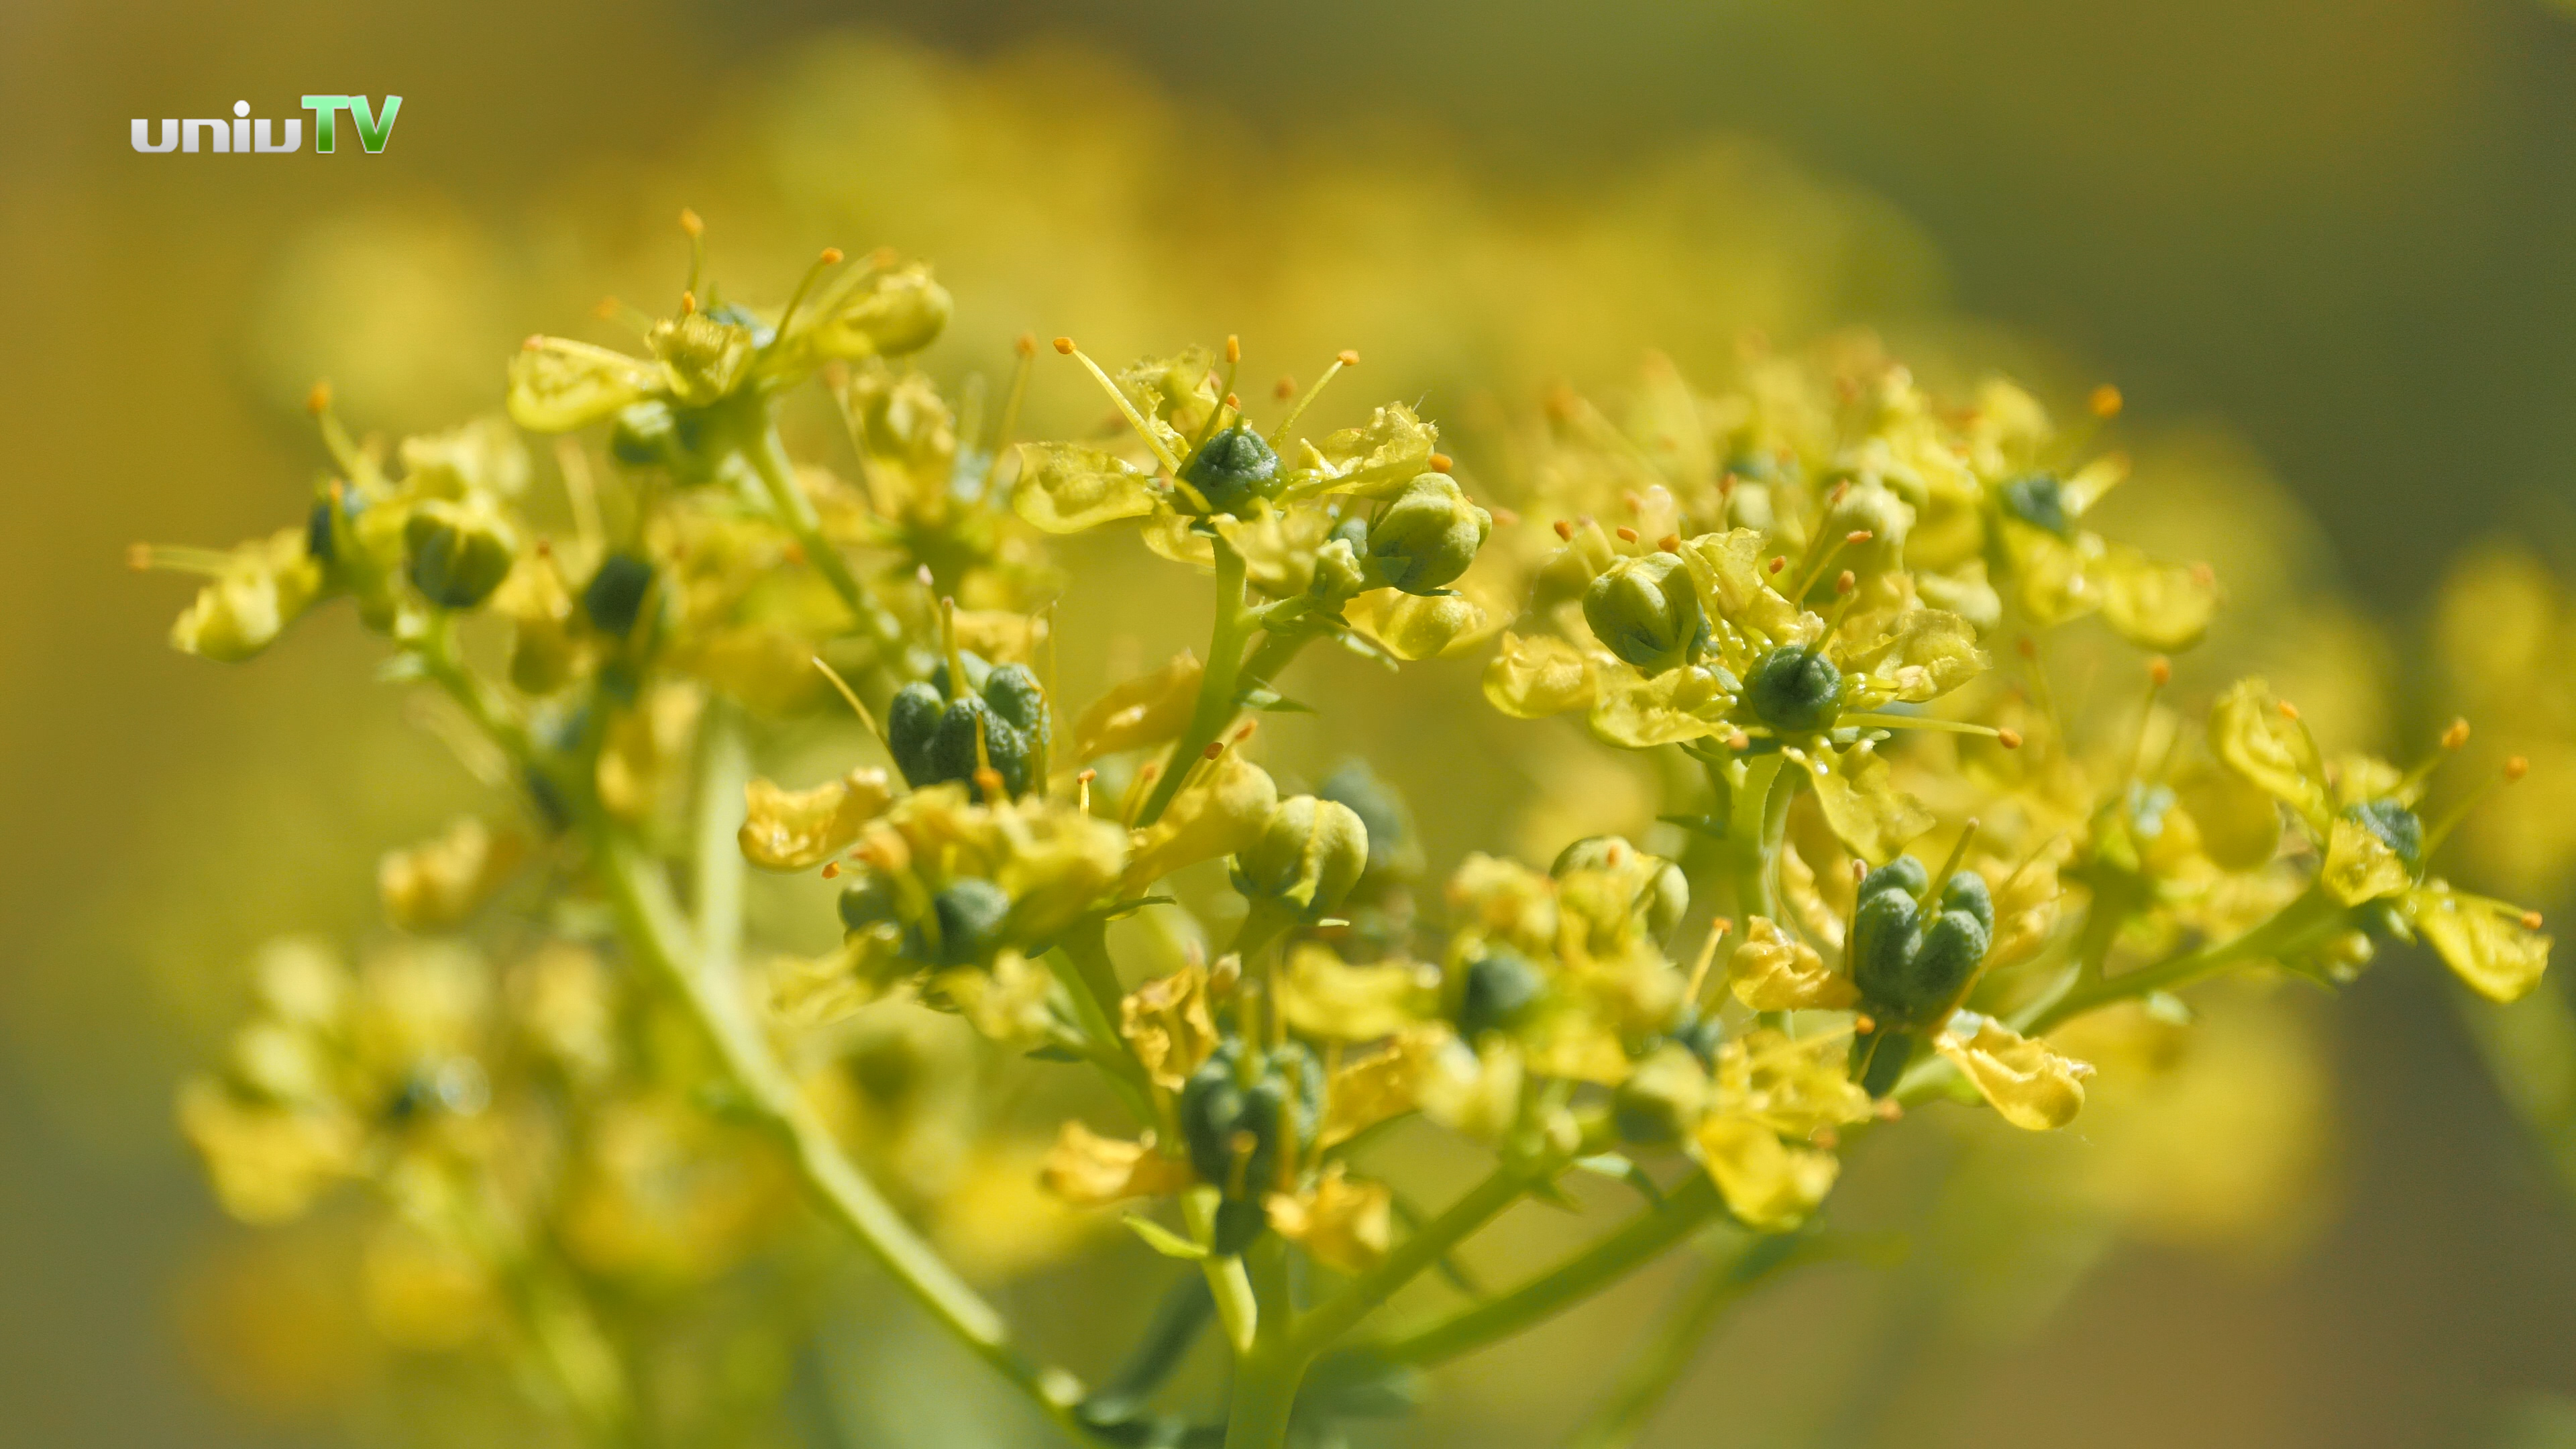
[[883, 313], [458, 552], [1427, 536], [1795, 690], [1644, 611], [1232, 469], [1339, 575], [1309, 855], [870, 902]]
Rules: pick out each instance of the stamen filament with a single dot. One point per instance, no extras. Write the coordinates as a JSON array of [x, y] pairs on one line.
[[1341, 359], [1027, 348], [1118, 395], [850, 695], [830, 258]]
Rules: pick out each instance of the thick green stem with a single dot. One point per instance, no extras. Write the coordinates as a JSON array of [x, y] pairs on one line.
[[1090, 978], [2300, 924], [1757, 820], [1690, 1207], [1218, 685], [1651, 1375]]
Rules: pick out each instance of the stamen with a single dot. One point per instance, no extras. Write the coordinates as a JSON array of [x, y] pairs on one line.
[[633, 319], [580, 490], [957, 687], [1082, 787], [697, 231], [1442, 463], [850, 695], [830, 258], [2456, 736], [344, 450], [2105, 402], [1817, 569], [1126, 409], [211, 563], [2531, 920], [1717, 931], [1027, 348], [1225, 394], [2513, 771], [1341, 359]]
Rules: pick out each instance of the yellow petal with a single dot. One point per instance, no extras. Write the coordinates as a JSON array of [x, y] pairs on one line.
[[1413, 627], [1220, 814], [437, 884], [1088, 1170], [1773, 971], [800, 829], [1325, 996], [1376, 1087], [1537, 675], [1637, 713], [2487, 942], [1145, 710], [1866, 810], [1792, 1085], [1066, 488], [2359, 866], [557, 384], [2252, 734], [1377, 458], [2154, 604], [1007, 1003], [2030, 1086], [1926, 654], [1727, 569], [1767, 1184], [1168, 1022], [1342, 1224]]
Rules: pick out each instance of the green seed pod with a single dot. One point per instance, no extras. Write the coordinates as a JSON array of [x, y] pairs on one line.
[[970, 914], [1232, 469], [1879, 1059], [1795, 690], [953, 751], [1911, 970], [1427, 536], [2397, 827], [1501, 989], [1645, 611], [2040, 501], [1234, 1128], [614, 597], [912, 717], [457, 552], [1660, 1100], [871, 901], [979, 672], [1013, 693], [1310, 854]]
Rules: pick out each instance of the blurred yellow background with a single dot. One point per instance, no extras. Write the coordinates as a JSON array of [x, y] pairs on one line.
[[2327, 243]]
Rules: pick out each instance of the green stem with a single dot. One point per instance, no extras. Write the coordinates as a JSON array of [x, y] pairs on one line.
[[1178, 1320], [1418, 1252], [767, 455], [1690, 1207], [650, 920], [1217, 685], [1651, 1376], [1266, 1379], [2299, 924], [1757, 820], [1091, 979]]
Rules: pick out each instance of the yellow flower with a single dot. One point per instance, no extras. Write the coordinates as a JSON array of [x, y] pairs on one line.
[[2028, 1085], [1768, 1185], [1328, 998], [1343, 1224], [268, 1163], [1220, 813], [790, 830], [256, 591], [1168, 1022], [436, 885], [1774, 971], [1089, 1170], [2495, 947], [1147, 709]]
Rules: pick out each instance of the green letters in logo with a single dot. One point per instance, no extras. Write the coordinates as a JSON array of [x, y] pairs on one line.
[[373, 131]]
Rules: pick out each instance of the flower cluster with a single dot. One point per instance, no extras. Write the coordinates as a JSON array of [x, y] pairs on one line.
[[1896, 857]]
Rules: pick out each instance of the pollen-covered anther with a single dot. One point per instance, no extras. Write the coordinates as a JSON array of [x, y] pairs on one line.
[[1504, 517], [318, 400], [1026, 345], [2531, 920], [1627, 535], [2289, 711], [691, 223], [1739, 741], [2160, 671], [2457, 735], [2516, 768], [2008, 738], [1347, 357], [2026, 647], [1778, 562], [1244, 731], [793, 551], [1864, 1023], [1859, 535], [1064, 345], [1214, 749], [831, 870], [1233, 348], [1670, 543], [989, 781], [1565, 529], [1846, 581], [1284, 389], [1442, 463], [831, 256], [688, 303], [2104, 402]]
